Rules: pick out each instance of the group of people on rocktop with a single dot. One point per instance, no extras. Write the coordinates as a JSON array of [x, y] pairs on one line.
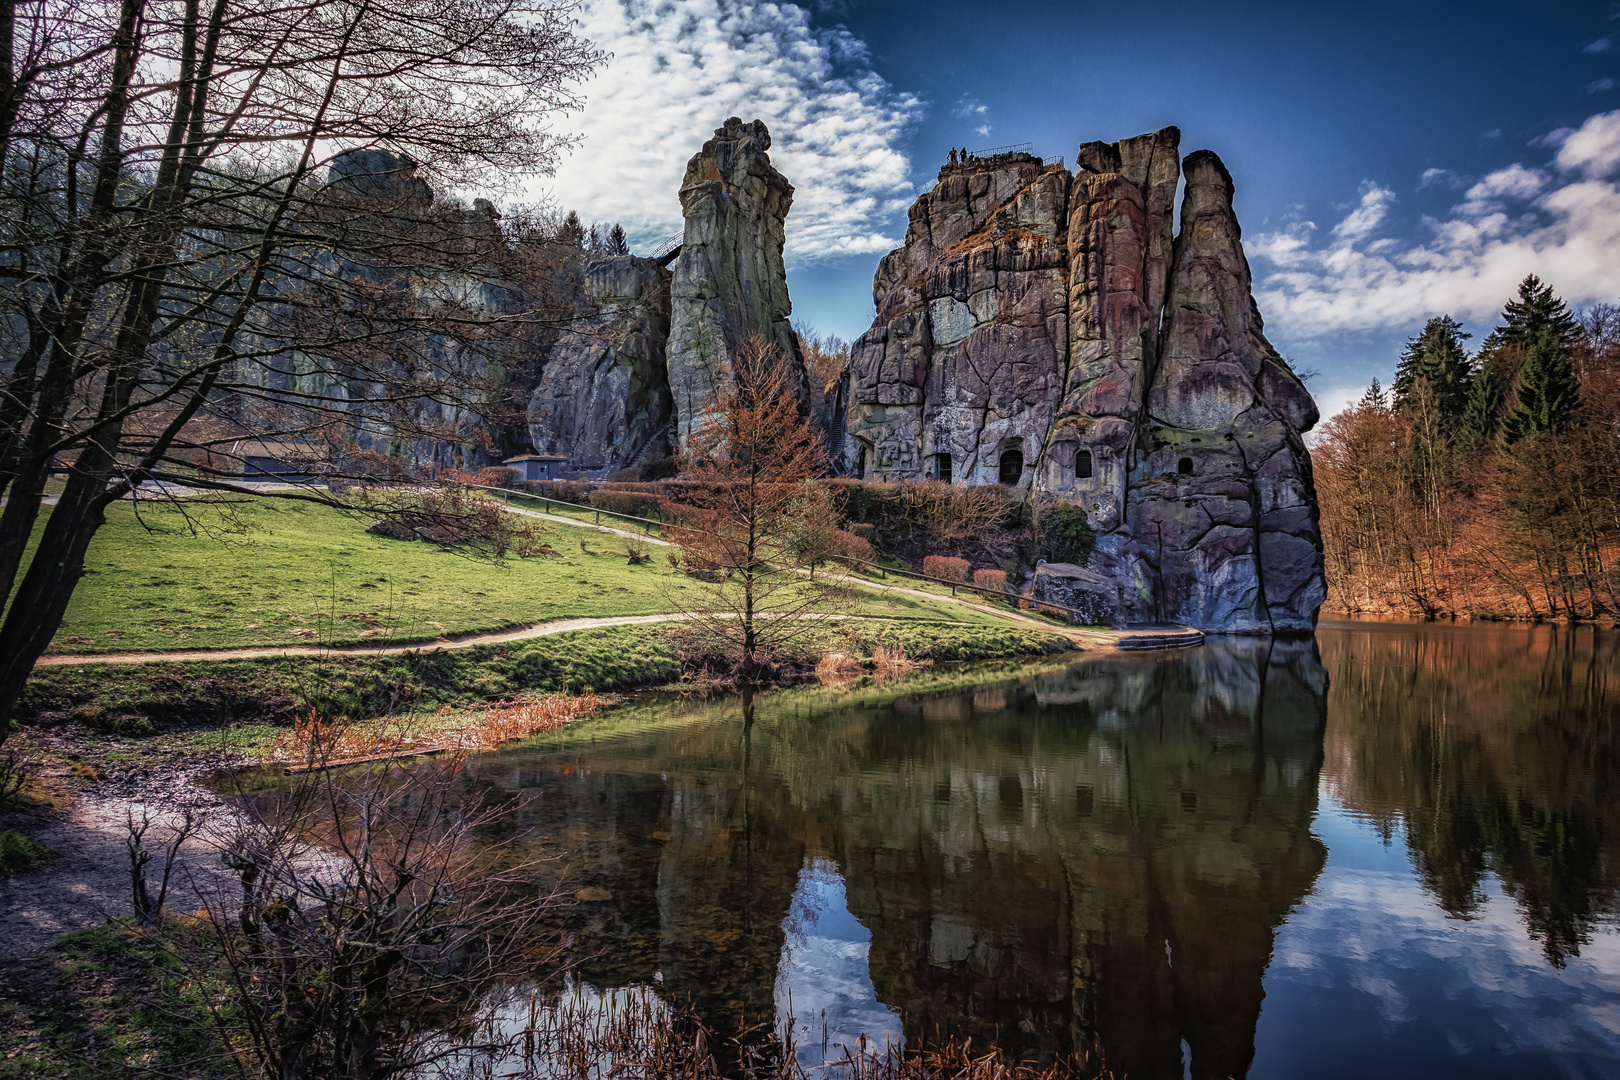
[[962, 156]]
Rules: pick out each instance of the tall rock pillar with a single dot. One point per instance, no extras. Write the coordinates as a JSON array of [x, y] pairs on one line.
[[1121, 227], [729, 281], [1222, 502]]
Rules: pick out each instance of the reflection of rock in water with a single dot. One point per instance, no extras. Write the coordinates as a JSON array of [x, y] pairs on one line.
[[1097, 856], [1128, 892]]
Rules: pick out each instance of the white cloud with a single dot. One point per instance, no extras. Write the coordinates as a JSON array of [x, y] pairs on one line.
[[1440, 176], [1563, 226], [969, 107], [1360, 223], [983, 129], [1602, 44], [1594, 149], [1598, 86], [679, 70], [1486, 197]]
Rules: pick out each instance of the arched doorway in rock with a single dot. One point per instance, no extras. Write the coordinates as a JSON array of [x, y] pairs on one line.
[[1184, 466], [1012, 465], [1082, 465]]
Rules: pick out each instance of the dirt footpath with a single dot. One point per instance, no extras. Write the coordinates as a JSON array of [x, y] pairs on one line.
[[88, 882]]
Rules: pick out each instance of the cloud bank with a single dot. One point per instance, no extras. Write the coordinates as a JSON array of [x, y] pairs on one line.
[[679, 70], [1559, 219]]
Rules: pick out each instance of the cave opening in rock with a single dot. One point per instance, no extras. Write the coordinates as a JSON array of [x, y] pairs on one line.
[[1012, 465], [942, 468], [1184, 466], [860, 463], [1082, 465]]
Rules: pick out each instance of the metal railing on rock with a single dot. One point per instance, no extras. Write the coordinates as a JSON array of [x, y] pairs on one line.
[[1010, 148]]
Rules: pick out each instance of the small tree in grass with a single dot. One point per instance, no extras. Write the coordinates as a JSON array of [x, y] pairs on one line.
[[742, 526]]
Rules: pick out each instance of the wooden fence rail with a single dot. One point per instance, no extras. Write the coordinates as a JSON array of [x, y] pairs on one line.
[[1074, 614]]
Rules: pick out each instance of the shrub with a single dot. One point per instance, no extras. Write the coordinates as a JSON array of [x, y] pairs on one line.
[[1062, 533], [619, 501], [866, 532], [944, 566], [992, 580], [561, 490], [848, 544]]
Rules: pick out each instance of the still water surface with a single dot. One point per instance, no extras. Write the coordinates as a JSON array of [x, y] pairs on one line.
[[1392, 851]]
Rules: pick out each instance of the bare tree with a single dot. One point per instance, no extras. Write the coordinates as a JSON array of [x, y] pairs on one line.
[[373, 924], [741, 524], [216, 230]]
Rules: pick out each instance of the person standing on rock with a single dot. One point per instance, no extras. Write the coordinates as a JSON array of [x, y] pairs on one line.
[[953, 156]]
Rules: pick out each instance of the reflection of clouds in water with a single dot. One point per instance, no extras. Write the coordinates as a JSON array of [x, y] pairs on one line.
[[823, 981], [1372, 948]]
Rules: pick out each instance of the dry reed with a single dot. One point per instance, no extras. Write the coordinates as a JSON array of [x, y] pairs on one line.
[[888, 662], [313, 741], [836, 667]]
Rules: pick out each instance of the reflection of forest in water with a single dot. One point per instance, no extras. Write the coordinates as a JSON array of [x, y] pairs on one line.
[[1093, 856], [1498, 749]]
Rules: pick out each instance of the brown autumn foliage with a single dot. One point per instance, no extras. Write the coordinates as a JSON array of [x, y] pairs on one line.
[[947, 567], [741, 525], [1427, 520]]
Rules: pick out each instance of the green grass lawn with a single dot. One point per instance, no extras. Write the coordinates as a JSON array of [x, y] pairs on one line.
[[275, 572]]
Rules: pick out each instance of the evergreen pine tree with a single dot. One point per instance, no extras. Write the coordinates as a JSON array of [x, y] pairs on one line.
[[617, 244], [572, 232], [1481, 413], [1547, 391], [1436, 354], [1535, 310], [1374, 398]]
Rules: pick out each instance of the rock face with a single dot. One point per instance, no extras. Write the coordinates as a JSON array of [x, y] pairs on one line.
[[1048, 330], [959, 375], [1094, 596], [604, 391], [729, 281]]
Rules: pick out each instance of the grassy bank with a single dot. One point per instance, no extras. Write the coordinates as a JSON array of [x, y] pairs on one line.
[[267, 572], [111, 1002], [138, 699]]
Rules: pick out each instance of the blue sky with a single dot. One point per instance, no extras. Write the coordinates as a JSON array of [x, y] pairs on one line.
[[1392, 160]]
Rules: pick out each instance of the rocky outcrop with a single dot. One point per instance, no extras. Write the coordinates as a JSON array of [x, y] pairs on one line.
[[1047, 330], [729, 281], [604, 391], [1093, 597], [959, 375], [1222, 516]]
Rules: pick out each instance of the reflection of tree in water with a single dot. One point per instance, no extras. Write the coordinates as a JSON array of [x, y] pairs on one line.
[[1499, 749], [1093, 857]]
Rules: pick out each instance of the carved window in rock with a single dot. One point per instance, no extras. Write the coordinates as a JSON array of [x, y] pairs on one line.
[[942, 468], [1082, 465], [1012, 465], [1184, 466]]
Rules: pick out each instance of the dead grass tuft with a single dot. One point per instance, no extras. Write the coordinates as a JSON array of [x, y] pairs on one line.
[[836, 667], [887, 662], [314, 742]]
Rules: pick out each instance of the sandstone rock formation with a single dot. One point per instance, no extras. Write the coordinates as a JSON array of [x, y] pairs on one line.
[[729, 280], [604, 390], [962, 369], [1046, 330]]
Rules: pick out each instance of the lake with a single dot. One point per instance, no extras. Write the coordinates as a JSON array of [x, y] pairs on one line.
[[1393, 851]]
